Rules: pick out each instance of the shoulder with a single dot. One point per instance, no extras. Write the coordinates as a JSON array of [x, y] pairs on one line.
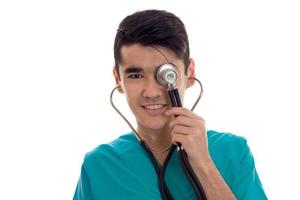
[[224, 145], [235, 162], [225, 139], [113, 149]]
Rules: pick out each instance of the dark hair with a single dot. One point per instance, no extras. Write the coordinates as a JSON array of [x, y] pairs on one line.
[[153, 27]]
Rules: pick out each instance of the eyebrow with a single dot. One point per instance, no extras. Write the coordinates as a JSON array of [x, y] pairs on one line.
[[133, 69]]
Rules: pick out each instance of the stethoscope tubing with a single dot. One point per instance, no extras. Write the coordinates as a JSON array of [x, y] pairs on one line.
[[184, 162]]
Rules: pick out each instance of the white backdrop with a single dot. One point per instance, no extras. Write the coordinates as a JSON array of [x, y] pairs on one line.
[[56, 60]]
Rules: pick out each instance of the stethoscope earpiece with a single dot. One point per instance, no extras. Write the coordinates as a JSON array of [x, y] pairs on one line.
[[119, 88]]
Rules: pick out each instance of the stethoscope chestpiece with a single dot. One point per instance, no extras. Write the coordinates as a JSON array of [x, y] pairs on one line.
[[166, 74]]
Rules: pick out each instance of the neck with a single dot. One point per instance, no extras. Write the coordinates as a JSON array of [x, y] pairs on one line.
[[157, 139]]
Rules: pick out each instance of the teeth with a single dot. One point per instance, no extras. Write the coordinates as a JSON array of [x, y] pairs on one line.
[[154, 107]]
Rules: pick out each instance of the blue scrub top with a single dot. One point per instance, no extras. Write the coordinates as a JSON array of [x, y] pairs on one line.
[[123, 170]]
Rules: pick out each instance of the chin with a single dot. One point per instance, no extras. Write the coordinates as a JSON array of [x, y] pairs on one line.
[[154, 124]]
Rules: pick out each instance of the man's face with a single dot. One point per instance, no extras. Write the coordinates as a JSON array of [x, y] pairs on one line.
[[147, 98]]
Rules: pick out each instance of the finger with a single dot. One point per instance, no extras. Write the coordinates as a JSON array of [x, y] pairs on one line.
[[182, 130], [184, 140], [185, 121], [178, 139]]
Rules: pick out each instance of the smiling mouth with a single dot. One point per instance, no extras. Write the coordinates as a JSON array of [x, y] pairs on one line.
[[154, 106]]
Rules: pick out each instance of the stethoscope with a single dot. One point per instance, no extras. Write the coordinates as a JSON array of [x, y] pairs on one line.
[[166, 74]]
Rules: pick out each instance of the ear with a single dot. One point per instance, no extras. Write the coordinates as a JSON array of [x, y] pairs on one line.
[[117, 79], [191, 73]]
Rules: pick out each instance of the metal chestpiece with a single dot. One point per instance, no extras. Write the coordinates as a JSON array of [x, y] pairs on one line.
[[167, 74]]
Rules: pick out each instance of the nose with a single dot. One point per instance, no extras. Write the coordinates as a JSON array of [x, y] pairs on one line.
[[152, 89]]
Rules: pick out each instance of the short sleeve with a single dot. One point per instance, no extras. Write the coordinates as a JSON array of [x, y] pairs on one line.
[[83, 190], [248, 185]]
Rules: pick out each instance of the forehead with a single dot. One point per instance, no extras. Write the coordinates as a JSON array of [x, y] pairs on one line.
[[147, 58]]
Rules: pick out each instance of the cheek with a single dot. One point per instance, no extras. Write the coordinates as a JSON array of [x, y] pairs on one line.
[[131, 93], [181, 86]]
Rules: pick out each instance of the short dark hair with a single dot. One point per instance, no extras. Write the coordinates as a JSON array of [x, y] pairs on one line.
[[153, 27]]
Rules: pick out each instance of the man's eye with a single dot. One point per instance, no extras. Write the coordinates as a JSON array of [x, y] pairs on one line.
[[135, 76]]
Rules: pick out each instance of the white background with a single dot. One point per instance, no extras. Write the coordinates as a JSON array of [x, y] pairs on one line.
[[56, 60]]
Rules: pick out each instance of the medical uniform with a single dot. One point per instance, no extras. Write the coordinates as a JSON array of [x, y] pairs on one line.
[[123, 170]]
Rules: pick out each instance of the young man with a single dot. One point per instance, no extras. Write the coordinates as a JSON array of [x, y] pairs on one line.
[[222, 162]]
